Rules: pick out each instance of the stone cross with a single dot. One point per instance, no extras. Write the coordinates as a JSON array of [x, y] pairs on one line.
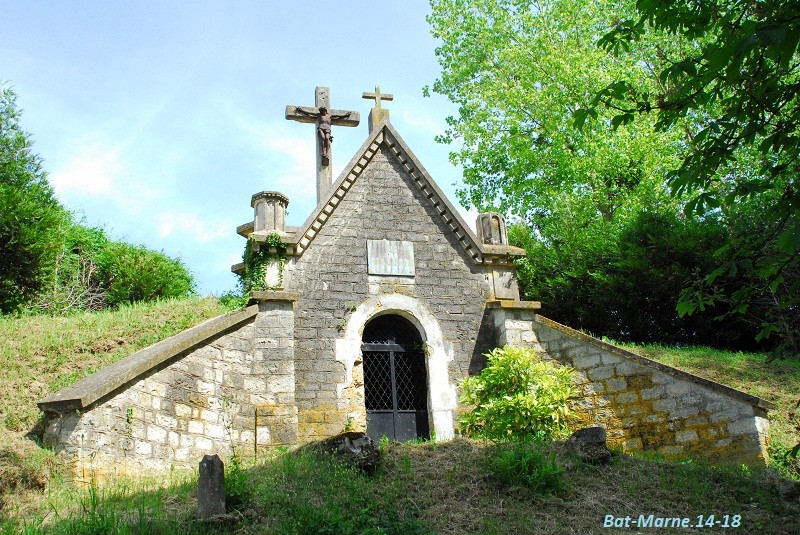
[[377, 96], [377, 114], [324, 118]]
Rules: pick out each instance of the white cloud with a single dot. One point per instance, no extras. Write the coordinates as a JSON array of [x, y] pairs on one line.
[[421, 120], [91, 172], [201, 230]]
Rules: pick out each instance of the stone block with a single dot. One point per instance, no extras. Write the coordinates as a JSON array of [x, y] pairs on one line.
[[166, 421], [634, 444], [280, 383], [677, 388], [263, 435], [600, 374], [656, 392], [666, 405], [742, 427], [687, 435], [684, 411], [586, 361], [209, 416], [670, 450], [618, 384], [625, 398], [626, 367], [156, 434], [608, 359], [203, 444], [143, 448], [214, 431]]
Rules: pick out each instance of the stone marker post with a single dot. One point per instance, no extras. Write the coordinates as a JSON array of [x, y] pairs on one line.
[[211, 487]]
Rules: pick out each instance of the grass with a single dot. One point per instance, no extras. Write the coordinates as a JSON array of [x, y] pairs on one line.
[[458, 487], [420, 489], [40, 354]]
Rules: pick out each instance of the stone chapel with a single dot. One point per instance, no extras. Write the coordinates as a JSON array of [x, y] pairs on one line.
[[383, 301]]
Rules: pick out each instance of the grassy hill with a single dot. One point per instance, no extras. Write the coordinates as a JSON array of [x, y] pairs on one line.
[[423, 488]]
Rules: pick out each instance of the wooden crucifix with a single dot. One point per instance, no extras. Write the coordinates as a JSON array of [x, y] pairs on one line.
[[324, 118]]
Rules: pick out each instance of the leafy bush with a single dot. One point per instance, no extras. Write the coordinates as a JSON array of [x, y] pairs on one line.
[[132, 273], [531, 464], [517, 395]]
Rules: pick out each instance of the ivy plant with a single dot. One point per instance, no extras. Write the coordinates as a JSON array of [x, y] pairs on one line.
[[258, 258]]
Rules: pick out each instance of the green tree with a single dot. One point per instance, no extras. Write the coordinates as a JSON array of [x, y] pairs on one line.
[[519, 69], [736, 96], [29, 213]]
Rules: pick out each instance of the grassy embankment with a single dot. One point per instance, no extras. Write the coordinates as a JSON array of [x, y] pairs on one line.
[[422, 488]]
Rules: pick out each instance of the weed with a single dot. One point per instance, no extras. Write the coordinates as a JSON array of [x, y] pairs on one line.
[[236, 484], [531, 464]]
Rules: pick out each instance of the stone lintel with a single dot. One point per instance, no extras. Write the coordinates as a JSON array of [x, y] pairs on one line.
[[260, 297], [501, 250], [90, 389], [669, 370], [289, 237], [246, 229], [514, 305]]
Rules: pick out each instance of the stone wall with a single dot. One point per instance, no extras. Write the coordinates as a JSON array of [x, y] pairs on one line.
[[645, 405], [332, 281], [203, 401]]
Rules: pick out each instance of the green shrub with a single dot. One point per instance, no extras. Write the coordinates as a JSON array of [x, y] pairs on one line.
[[517, 395], [531, 464], [132, 273]]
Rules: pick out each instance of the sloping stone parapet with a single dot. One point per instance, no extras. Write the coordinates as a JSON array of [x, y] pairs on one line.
[[224, 386], [643, 404], [88, 390]]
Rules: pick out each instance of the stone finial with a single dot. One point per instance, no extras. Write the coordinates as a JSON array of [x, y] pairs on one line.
[[377, 114], [211, 487], [492, 229], [269, 211]]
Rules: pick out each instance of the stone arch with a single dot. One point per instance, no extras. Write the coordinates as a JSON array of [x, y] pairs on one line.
[[438, 354]]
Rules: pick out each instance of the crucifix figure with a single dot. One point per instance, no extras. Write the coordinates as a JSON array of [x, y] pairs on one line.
[[324, 117]]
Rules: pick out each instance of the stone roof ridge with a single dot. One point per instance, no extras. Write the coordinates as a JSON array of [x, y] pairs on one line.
[[385, 134]]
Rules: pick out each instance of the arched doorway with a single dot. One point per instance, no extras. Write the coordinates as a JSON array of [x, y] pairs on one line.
[[395, 379]]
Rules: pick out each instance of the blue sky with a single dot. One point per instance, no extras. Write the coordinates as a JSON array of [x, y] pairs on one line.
[[159, 120]]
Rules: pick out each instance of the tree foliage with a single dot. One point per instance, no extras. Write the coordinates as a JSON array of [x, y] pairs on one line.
[[737, 97], [519, 69], [50, 263], [28, 212]]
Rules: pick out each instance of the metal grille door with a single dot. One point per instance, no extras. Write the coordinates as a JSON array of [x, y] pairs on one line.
[[395, 383]]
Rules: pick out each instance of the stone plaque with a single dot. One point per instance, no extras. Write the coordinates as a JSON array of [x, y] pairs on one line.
[[386, 257]]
